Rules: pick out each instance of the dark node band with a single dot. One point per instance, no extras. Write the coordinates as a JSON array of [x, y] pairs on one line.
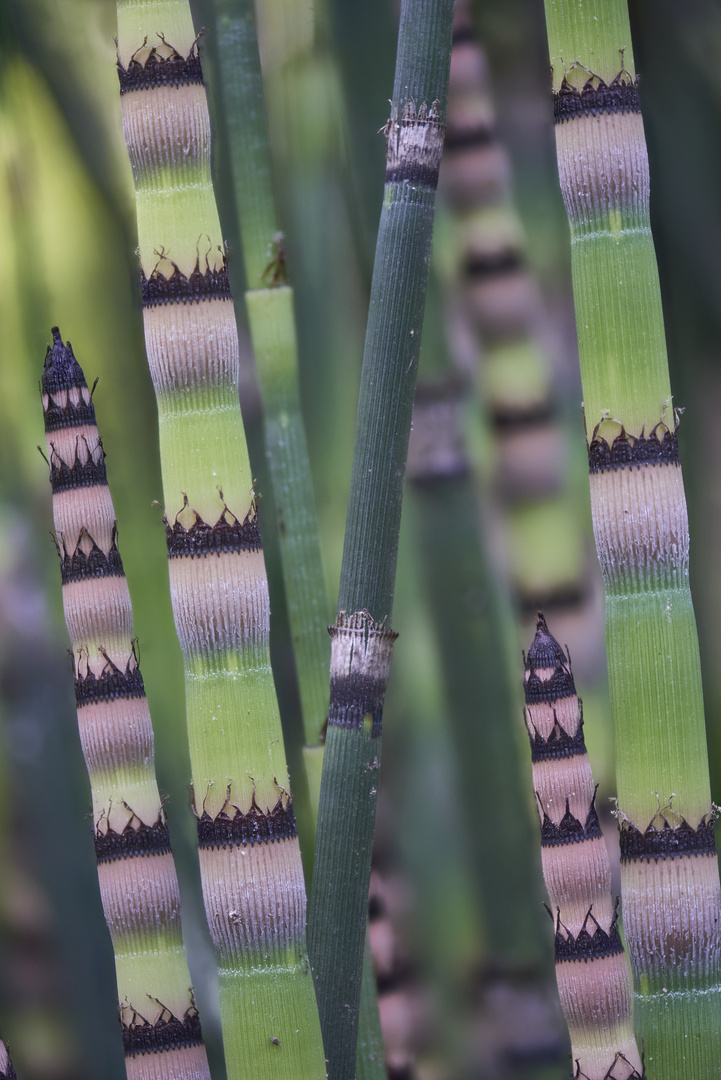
[[559, 685], [111, 685], [570, 596], [226, 536], [414, 145], [354, 697], [68, 415], [463, 34], [61, 370], [413, 171], [82, 566], [596, 97], [629, 451], [81, 474], [132, 843], [668, 842], [164, 1034], [508, 420], [569, 829], [255, 827], [476, 138], [558, 745], [493, 264], [587, 946], [173, 70], [178, 289]]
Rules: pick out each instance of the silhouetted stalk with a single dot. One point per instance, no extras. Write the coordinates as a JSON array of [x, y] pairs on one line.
[[138, 883], [361, 640], [670, 884], [594, 980], [249, 855]]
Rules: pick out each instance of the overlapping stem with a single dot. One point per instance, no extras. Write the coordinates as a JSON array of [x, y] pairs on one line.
[[361, 639], [545, 542], [138, 883], [593, 977], [249, 855], [670, 884]]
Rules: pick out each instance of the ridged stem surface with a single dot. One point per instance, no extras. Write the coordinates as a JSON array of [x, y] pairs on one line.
[[362, 641], [138, 883], [671, 895], [249, 856]]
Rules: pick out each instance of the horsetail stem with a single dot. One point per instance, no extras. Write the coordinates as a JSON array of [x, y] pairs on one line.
[[269, 302], [138, 883], [594, 981], [361, 640], [670, 884], [249, 855]]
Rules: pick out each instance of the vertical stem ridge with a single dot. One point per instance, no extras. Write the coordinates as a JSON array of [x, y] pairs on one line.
[[339, 896]]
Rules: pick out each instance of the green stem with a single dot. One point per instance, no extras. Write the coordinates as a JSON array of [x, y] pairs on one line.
[[271, 317], [361, 646], [250, 864], [670, 885]]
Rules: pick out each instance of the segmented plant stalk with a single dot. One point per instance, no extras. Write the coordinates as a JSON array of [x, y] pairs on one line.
[[138, 884], [361, 640], [548, 560], [7, 1072], [594, 980], [670, 884], [249, 855], [269, 302], [474, 639]]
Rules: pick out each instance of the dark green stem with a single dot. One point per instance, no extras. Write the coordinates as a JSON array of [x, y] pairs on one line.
[[361, 646]]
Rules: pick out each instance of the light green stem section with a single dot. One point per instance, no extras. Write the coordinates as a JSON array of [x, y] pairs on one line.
[[573, 37]]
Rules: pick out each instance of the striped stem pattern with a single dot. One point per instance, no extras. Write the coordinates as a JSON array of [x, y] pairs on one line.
[[548, 559], [594, 980], [7, 1072], [138, 883], [250, 863], [670, 884]]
